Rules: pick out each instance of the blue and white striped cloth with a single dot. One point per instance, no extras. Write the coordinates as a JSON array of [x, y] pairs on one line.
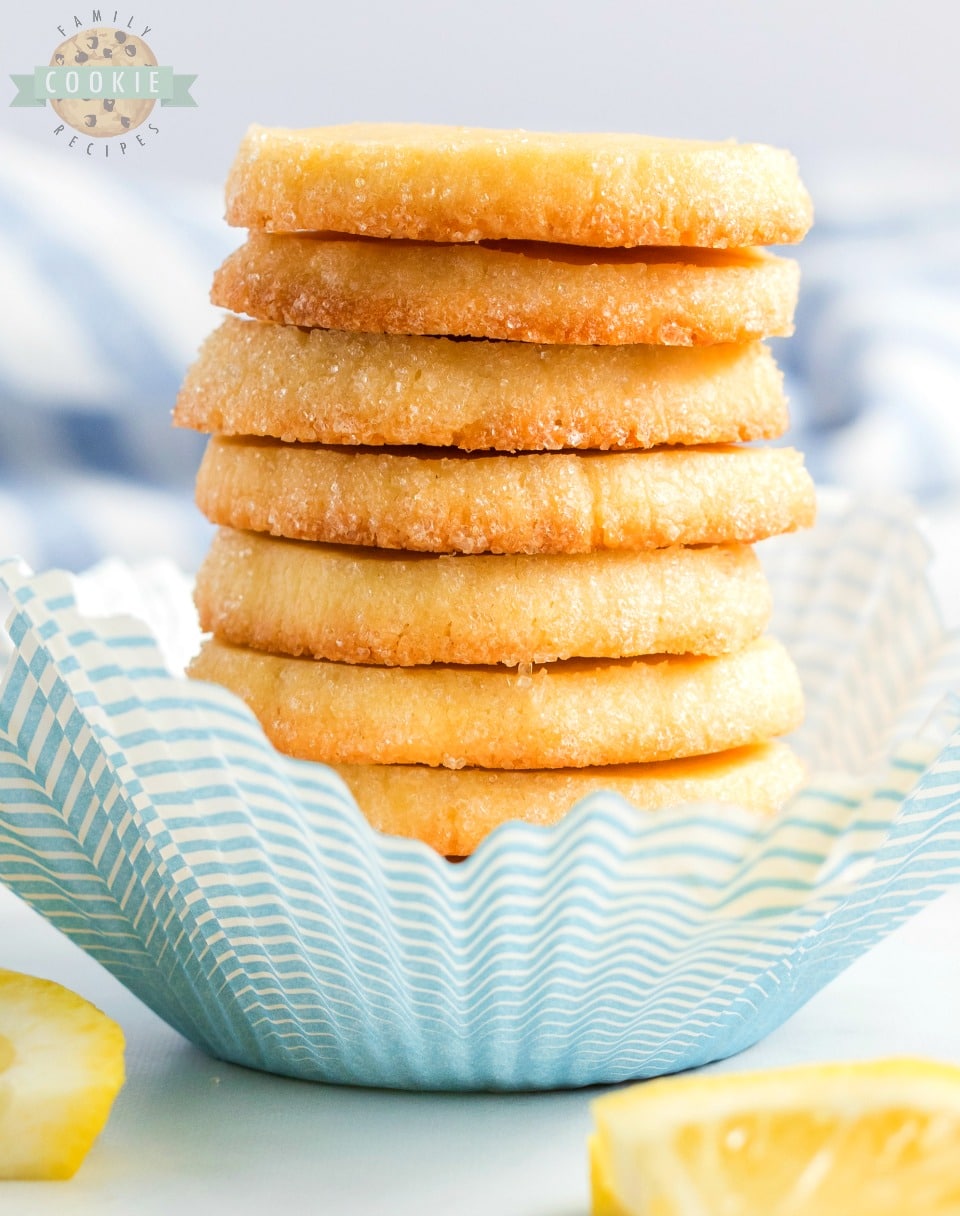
[[874, 368], [105, 302]]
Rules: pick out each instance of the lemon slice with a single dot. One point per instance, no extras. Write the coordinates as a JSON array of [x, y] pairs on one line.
[[880, 1138], [61, 1065]]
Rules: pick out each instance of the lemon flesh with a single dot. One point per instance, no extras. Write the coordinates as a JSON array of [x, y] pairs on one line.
[[61, 1066], [881, 1138]]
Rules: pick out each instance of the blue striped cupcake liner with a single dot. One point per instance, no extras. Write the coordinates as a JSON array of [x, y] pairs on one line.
[[243, 897]]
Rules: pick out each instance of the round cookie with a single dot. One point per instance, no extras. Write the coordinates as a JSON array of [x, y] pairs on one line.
[[402, 609], [568, 714], [469, 184], [520, 291], [453, 811], [330, 386], [104, 47], [556, 502]]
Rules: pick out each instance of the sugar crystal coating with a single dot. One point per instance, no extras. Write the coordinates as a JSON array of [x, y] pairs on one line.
[[359, 605], [444, 501], [511, 289], [469, 184], [568, 714], [336, 387]]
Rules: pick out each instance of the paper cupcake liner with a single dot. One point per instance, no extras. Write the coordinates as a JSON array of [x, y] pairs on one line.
[[242, 896]]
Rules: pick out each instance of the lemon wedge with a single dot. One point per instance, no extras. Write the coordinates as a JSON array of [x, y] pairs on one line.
[[61, 1065], [879, 1138]]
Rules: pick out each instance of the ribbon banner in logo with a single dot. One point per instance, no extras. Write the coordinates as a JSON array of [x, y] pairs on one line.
[[148, 83]]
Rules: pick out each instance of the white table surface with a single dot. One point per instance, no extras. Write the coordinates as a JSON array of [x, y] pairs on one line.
[[191, 1135]]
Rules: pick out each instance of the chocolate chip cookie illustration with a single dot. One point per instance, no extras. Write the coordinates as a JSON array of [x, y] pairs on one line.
[[103, 47]]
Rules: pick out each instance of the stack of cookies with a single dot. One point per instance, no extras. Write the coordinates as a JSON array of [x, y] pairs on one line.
[[478, 461]]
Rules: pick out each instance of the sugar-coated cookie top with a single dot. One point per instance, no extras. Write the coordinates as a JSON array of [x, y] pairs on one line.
[[521, 291], [440, 183]]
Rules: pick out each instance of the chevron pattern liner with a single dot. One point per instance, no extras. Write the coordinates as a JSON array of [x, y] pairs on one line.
[[242, 896]]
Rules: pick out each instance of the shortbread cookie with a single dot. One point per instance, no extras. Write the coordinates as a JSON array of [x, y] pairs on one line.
[[328, 386], [380, 606], [559, 715], [468, 184], [453, 811], [445, 501], [525, 292]]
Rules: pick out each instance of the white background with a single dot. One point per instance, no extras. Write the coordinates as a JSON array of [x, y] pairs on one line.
[[191, 1135], [830, 79]]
